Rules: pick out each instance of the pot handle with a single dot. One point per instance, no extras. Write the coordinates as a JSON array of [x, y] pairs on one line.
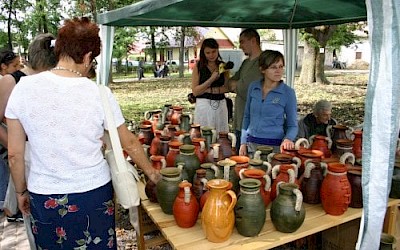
[[348, 157], [232, 136], [309, 166], [329, 131], [187, 195], [329, 141], [275, 171], [269, 167], [233, 201], [257, 155], [299, 199], [241, 176], [301, 142], [267, 182], [269, 156], [163, 163]]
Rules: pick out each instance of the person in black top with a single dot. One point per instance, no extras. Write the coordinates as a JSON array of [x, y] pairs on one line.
[[316, 122], [209, 85]]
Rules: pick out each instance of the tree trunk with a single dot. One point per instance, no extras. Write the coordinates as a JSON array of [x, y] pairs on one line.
[[320, 68], [153, 46], [9, 25], [307, 74], [182, 52]]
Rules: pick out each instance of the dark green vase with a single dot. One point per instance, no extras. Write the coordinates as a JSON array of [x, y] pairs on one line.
[[168, 188], [249, 210], [287, 210], [190, 160]]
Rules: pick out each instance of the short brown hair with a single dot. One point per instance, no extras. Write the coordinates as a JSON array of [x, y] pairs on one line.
[[269, 57], [41, 55], [76, 38]]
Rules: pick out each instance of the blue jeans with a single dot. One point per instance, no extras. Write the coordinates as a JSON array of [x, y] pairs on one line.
[[4, 176]]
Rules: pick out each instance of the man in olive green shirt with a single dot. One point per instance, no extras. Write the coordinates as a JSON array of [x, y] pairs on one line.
[[249, 71]]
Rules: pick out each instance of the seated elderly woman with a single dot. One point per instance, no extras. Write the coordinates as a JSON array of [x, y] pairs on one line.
[[316, 122]]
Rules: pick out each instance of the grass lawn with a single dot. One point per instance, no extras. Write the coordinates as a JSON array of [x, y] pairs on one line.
[[347, 93]]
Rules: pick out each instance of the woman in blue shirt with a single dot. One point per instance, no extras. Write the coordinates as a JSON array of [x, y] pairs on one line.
[[270, 116]]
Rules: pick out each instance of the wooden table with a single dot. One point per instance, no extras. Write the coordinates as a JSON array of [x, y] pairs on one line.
[[193, 238]]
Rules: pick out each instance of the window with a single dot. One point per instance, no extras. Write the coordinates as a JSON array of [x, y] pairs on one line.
[[186, 57], [170, 55], [358, 55]]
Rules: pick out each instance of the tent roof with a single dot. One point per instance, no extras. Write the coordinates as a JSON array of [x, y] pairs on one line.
[[274, 14]]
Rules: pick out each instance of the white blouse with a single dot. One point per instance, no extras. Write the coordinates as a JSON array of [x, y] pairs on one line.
[[64, 120]]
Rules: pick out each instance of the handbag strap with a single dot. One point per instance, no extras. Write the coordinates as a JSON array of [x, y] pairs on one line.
[[112, 129]]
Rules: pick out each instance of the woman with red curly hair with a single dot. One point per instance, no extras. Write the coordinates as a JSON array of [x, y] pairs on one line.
[[68, 191]]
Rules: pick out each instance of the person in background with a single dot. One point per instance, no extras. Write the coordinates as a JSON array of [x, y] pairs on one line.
[[248, 72], [41, 57], [316, 122], [209, 87], [68, 191], [9, 62], [270, 115]]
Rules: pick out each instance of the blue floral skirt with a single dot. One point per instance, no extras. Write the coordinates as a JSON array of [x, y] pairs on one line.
[[74, 221]]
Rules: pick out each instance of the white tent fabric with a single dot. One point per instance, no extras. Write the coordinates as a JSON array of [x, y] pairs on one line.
[[381, 120], [290, 37], [107, 41]]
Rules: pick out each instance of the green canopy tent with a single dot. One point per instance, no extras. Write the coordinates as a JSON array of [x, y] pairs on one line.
[[381, 124]]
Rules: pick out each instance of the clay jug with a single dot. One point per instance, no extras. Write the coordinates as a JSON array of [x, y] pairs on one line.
[[145, 134], [185, 138], [265, 186], [164, 113], [200, 148], [186, 207], [262, 152], [281, 158], [209, 134], [190, 159], [336, 132], [321, 143], [249, 210], [311, 182], [227, 144], [199, 183], [172, 152], [395, 187], [170, 130], [308, 154], [343, 146], [212, 171], [354, 177], [287, 210], [388, 242], [185, 121], [194, 131], [217, 217], [259, 164], [164, 147], [357, 144], [227, 172], [283, 173], [158, 162], [214, 153], [335, 190], [242, 162], [176, 115], [155, 146], [168, 188]]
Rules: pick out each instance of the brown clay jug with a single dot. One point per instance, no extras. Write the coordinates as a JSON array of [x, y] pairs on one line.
[[321, 143], [217, 217], [194, 131], [311, 181], [283, 173], [186, 207], [200, 148], [164, 147], [145, 134], [176, 115], [335, 190], [155, 146], [173, 152], [357, 144], [227, 144]]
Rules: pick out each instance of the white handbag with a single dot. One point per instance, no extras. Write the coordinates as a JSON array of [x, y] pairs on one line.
[[124, 176]]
